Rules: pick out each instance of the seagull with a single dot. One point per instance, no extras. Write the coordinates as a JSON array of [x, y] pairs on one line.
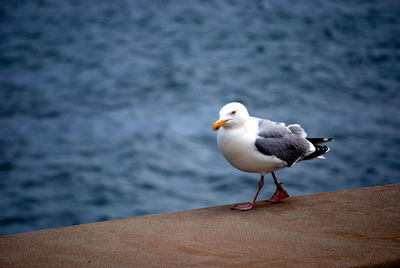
[[262, 146]]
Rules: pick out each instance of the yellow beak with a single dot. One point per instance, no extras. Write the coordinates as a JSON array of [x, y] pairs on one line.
[[219, 123]]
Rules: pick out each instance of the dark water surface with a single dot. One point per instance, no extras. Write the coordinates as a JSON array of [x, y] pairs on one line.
[[106, 107]]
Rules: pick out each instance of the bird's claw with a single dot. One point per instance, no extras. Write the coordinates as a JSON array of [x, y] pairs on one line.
[[246, 207], [279, 195]]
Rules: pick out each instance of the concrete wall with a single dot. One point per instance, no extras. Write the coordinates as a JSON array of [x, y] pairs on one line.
[[353, 228]]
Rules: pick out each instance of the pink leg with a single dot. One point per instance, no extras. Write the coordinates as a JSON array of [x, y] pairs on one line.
[[280, 193], [251, 204]]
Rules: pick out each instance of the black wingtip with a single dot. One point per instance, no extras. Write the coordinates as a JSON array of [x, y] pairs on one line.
[[316, 141], [319, 150]]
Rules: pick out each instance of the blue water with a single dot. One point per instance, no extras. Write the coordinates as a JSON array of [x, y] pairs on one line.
[[106, 107]]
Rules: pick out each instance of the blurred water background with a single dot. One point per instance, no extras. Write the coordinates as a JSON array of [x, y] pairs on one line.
[[106, 107]]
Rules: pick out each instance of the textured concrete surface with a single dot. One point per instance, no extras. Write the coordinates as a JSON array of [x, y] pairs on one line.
[[353, 228]]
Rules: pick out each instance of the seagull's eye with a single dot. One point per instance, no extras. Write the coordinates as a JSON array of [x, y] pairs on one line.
[[233, 112]]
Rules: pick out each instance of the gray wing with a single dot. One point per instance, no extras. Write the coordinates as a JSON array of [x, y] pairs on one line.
[[297, 129], [286, 144]]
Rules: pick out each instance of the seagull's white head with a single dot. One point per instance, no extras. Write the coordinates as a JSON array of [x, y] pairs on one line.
[[232, 115]]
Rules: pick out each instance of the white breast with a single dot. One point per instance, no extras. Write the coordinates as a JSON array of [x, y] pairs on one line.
[[238, 147]]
